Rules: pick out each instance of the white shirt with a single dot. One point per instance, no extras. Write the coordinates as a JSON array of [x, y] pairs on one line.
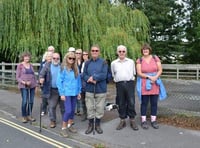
[[123, 70]]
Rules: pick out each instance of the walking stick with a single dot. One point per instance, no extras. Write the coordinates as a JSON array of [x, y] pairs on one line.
[[94, 107], [40, 118], [40, 108]]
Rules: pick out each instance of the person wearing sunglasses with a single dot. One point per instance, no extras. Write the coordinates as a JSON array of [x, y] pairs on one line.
[[78, 54], [69, 87], [85, 58], [47, 78], [123, 72], [95, 74]]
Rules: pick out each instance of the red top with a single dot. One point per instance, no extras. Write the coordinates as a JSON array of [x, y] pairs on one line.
[[150, 67]]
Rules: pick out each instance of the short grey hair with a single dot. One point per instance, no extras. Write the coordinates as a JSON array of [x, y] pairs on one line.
[[121, 47]]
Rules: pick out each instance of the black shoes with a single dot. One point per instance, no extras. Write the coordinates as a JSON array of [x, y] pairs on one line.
[[98, 129], [155, 125], [144, 125], [121, 125], [91, 128]]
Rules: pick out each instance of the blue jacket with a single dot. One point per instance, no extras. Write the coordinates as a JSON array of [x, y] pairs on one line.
[[67, 84], [98, 69], [162, 90]]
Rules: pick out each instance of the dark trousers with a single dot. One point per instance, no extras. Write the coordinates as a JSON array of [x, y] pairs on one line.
[[83, 102], [126, 99], [153, 102]]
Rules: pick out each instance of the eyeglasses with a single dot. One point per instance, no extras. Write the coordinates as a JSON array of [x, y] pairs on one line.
[[71, 58], [95, 50], [56, 58], [123, 51], [78, 53]]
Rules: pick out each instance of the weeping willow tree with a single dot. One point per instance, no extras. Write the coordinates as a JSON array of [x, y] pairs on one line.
[[33, 25]]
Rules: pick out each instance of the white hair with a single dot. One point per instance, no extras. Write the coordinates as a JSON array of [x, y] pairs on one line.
[[121, 47]]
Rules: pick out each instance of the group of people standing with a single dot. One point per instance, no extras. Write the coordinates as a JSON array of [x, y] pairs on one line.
[[82, 81]]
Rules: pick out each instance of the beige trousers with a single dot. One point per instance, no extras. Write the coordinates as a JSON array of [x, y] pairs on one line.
[[95, 110]]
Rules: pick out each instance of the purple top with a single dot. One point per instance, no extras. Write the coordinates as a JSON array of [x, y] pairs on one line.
[[24, 74]]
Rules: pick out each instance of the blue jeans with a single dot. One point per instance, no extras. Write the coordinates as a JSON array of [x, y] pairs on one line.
[[28, 95], [144, 104]]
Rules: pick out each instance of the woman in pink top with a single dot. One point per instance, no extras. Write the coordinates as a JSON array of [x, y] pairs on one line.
[[149, 69], [26, 83]]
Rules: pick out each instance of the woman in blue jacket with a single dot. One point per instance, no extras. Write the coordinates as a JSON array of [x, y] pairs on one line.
[[69, 87]]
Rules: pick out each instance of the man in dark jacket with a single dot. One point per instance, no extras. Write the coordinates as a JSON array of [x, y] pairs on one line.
[[48, 77], [95, 74]]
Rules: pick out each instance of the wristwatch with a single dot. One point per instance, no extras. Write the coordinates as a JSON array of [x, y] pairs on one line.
[[147, 77]]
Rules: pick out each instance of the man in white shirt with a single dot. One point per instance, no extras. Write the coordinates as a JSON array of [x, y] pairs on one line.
[[123, 71]]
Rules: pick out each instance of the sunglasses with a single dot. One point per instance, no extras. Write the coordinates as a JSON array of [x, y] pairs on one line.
[[123, 51], [95, 50], [71, 58], [56, 58], [78, 53]]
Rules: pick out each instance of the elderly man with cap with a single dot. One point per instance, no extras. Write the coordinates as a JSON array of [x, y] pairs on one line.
[[71, 49]]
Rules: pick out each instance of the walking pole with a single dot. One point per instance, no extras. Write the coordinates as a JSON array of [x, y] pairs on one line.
[[40, 108], [94, 121], [40, 118]]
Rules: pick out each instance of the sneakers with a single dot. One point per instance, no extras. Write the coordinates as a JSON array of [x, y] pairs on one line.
[[24, 120], [121, 125], [64, 133], [29, 118], [144, 125], [133, 125], [72, 129], [52, 124], [155, 125]]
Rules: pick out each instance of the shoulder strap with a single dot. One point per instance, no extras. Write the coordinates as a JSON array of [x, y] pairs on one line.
[[154, 57]]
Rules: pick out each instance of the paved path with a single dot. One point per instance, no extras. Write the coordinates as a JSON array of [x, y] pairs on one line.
[[165, 137]]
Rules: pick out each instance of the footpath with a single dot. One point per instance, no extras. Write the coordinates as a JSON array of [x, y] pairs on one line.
[[164, 137]]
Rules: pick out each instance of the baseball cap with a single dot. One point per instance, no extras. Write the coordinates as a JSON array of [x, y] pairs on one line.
[[72, 49]]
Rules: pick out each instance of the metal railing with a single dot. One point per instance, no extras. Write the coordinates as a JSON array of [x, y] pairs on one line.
[[181, 82], [170, 71]]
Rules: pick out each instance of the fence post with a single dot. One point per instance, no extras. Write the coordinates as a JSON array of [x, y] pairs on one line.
[[177, 73], [197, 73], [3, 73], [13, 74]]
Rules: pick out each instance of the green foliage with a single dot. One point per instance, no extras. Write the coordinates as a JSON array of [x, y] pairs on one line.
[[170, 23], [34, 25]]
